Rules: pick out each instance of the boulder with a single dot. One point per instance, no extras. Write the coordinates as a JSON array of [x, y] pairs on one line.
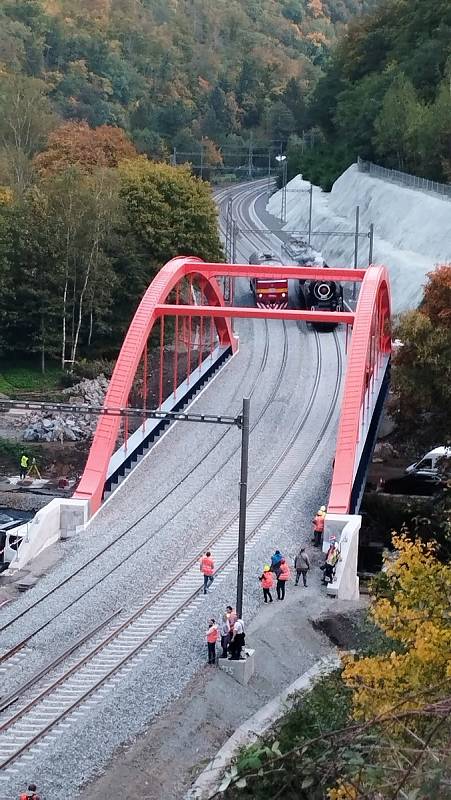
[[384, 451]]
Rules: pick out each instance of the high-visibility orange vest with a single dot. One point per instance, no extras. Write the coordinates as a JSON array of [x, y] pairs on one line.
[[319, 522], [284, 573], [212, 634], [267, 580], [207, 565]]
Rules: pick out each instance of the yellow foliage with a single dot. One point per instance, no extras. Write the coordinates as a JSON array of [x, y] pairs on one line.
[[343, 791], [417, 617], [6, 196]]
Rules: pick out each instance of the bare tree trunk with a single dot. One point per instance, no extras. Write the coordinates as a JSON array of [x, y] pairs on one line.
[[63, 348], [91, 324], [42, 344]]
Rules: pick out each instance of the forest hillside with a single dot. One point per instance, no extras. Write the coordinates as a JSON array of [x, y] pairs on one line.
[[172, 71], [385, 95]]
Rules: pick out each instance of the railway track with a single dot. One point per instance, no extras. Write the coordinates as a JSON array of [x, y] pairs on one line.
[[108, 656], [8, 655]]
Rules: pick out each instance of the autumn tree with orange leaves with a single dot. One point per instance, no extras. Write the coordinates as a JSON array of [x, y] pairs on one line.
[[75, 144], [422, 366]]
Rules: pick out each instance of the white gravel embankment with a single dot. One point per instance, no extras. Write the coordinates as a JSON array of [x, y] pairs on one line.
[[412, 229]]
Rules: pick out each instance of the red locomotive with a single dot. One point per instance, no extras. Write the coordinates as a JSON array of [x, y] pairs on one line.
[[268, 292]]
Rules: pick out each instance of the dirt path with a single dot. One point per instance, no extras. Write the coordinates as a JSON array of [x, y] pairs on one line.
[[162, 764]]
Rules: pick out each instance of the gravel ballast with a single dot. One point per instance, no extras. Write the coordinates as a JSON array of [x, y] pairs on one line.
[[79, 748]]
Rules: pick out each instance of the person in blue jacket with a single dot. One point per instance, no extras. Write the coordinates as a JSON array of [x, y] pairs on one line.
[[275, 561]]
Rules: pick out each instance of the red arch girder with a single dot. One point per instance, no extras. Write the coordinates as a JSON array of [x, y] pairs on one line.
[[370, 340], [104, 442], [364, 352]]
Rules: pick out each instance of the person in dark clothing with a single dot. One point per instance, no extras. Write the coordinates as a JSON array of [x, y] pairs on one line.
[[224, 630], [238, 639], [30, 794], [301, 565], [282, 578]]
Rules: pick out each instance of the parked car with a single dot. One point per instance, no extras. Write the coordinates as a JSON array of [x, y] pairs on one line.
[[420, 483], [431, 462]]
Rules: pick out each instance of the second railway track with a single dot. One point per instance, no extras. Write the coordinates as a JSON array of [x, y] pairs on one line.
[[107, 656]]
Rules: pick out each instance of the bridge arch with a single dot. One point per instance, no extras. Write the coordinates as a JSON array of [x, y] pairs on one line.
[[369, 353], [107, 431]]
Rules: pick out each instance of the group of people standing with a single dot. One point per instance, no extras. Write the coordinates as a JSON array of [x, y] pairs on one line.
[[280, 571], [230, 632]]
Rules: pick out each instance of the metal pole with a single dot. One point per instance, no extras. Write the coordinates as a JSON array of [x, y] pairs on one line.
[[356, 240], [370, 251], [284, 192], [234, 238], [250, 165], [243, 503], [269, 172], [356, 246], [202, 158], [174, 157], [310, 213]]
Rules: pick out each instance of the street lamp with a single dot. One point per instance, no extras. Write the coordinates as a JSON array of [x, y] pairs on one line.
[[283, 161]]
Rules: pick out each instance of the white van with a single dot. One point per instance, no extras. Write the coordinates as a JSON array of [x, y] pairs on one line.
[[429, 463]]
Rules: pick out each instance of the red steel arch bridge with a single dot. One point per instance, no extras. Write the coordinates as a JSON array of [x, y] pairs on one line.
[[188, 288]]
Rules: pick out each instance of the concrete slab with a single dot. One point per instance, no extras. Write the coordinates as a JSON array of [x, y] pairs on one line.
[[242, 670]]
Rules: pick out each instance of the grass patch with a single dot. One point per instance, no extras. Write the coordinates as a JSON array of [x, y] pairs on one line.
[[21, 377]]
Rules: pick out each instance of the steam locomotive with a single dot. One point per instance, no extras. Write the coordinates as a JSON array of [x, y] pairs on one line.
[[317, 295]]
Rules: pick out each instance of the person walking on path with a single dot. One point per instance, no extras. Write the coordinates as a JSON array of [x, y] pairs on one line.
[[238, 639], [282, 578], [23, 466], [207, 567], [301, 565], [267, 582], [212, 638], [224, 630], [30, 794], [318, 526]]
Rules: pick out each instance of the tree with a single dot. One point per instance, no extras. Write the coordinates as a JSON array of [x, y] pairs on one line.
[[167, 212], [422, 366], [396, 123], [26, 118], [413, 612], [75, 144], [437, 296]]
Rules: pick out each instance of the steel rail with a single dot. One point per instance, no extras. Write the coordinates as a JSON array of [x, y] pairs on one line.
[[5, 656], [139, 612]]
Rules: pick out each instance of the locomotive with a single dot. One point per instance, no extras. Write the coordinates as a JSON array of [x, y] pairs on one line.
[[317, 295], [268, 292], [321, 295]]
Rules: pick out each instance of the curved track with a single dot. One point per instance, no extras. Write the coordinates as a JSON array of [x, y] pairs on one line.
[[98, 661], [132, 637]]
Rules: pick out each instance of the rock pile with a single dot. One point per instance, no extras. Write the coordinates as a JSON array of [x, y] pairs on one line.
[[54, 427]]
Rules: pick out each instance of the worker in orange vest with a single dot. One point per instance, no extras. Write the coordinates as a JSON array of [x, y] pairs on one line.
[[282, 578], [212, 638], [267, 582], [207, 567], [318, 526], [30, 794]]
